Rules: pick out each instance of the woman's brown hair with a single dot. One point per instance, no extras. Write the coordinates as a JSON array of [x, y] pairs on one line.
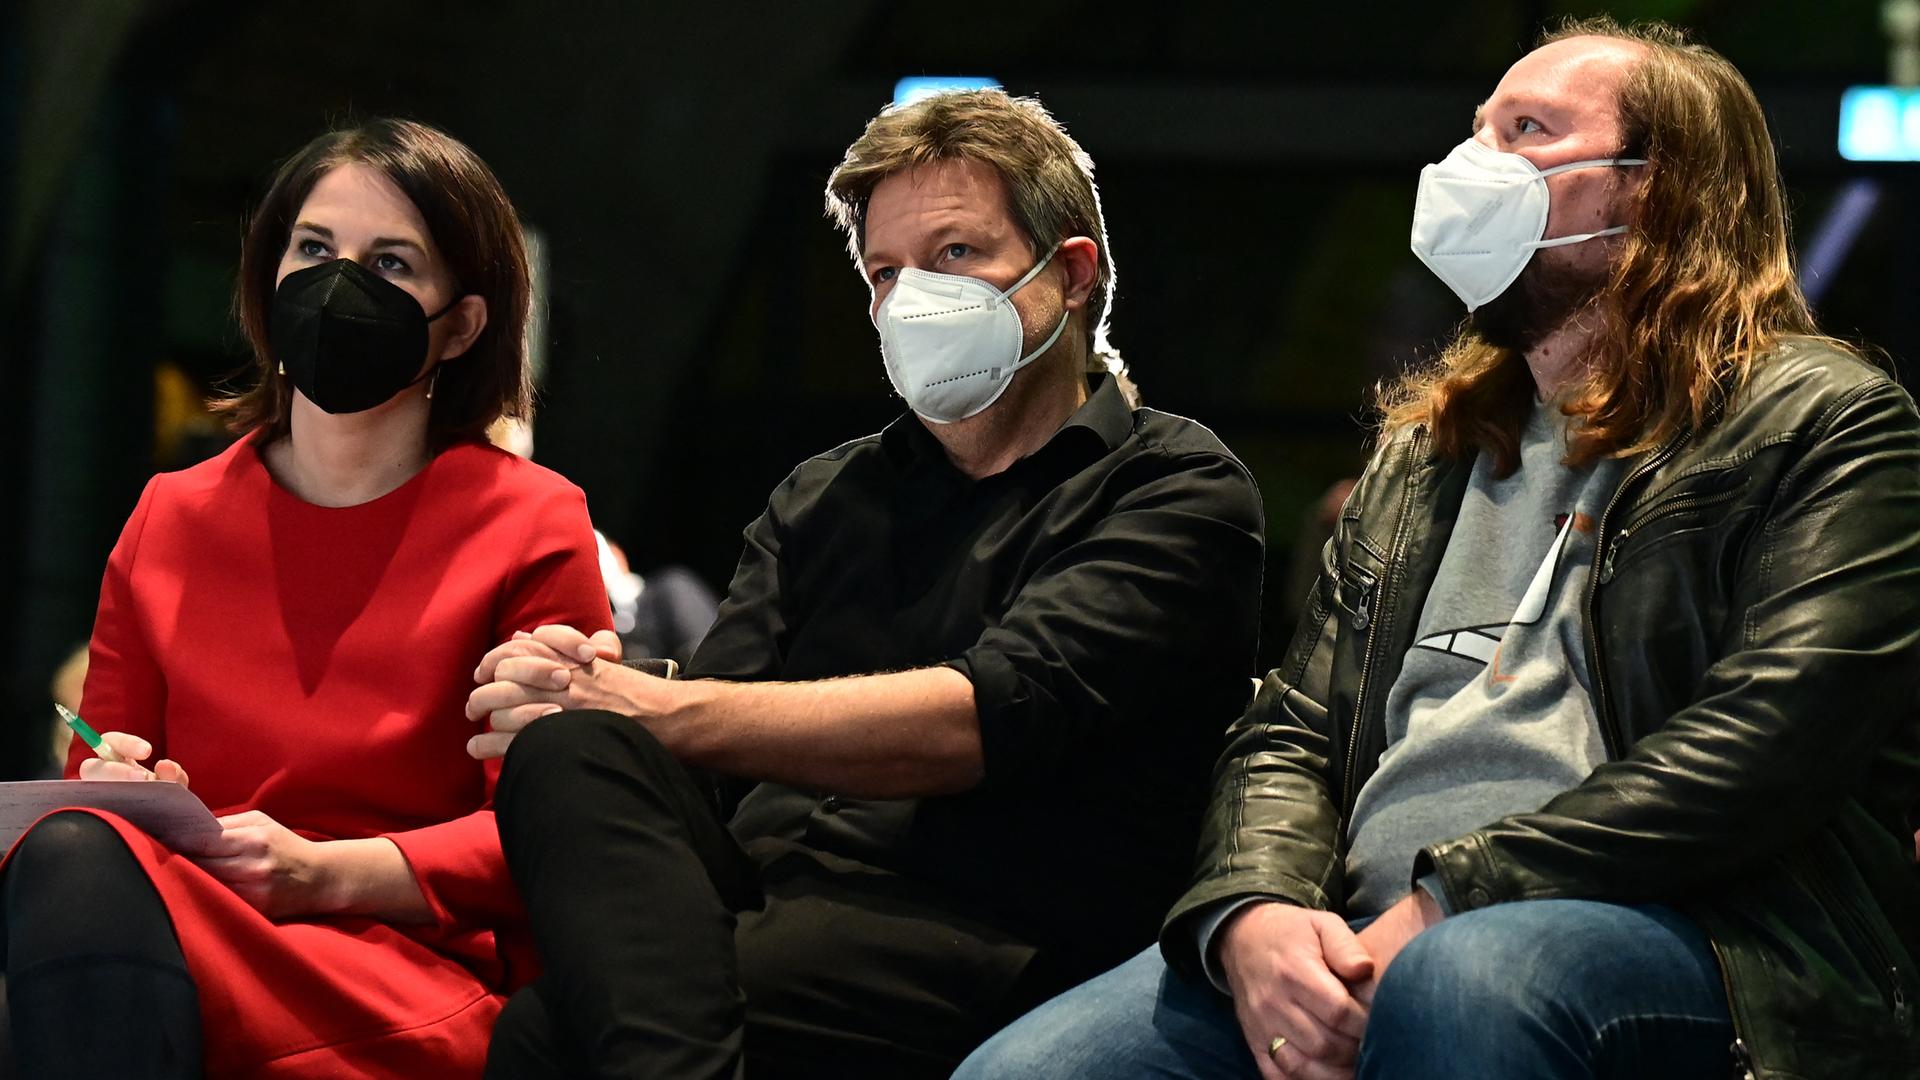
[[475, 229], [1703, 288]]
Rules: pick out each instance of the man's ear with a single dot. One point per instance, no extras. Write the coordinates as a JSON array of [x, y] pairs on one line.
[[1079, 256]]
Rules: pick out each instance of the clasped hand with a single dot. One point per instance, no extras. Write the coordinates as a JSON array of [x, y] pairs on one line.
[[544, 672], [1303, 982]]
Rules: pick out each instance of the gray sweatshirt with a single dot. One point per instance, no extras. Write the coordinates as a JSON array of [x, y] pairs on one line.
[[1492, 713]]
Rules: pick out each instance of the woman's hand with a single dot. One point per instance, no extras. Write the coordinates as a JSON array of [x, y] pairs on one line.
[[284, 875], [134, 750], [278, 871]]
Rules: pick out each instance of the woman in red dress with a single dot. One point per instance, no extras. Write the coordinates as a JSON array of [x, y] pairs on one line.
[[297, 622]]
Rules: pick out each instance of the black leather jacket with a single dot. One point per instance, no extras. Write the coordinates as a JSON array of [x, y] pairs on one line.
[[1753, 627]]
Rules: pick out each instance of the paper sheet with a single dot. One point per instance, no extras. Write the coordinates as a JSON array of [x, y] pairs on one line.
[[168, 812]]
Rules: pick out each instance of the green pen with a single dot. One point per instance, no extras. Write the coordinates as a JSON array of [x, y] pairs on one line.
[[88, 735]]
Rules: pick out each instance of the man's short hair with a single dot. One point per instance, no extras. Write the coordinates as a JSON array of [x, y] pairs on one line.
[[1049, 178]]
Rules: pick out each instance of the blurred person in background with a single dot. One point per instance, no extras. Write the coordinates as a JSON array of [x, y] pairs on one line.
[[68, 682], [662, 614], [296, 622]]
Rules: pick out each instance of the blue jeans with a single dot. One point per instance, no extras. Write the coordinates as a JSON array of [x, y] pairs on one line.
[[1539, 988]]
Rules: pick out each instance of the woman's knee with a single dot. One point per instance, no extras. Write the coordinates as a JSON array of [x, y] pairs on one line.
[[64, 840], [71, 886]]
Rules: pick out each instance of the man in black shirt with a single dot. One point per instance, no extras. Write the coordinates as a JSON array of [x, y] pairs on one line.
[[979, 665]]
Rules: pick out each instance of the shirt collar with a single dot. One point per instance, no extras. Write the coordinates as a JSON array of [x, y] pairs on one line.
[[1105, 417], [1106, 412]]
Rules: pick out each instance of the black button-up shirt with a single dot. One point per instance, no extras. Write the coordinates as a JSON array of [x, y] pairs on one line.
[[1103, 596]]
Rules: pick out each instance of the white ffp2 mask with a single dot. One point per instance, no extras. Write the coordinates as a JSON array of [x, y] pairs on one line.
[[1480, 215], [952, 343]]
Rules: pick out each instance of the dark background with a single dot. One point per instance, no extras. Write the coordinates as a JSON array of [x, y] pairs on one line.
[[1256, 161]]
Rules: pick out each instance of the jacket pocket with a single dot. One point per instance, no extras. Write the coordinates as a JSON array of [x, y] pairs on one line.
[[1818, 984], [1844, 894], [1710, 508], [1707, 504]]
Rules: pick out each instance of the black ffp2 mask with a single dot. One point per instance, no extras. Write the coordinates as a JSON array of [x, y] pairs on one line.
[[349, 338]]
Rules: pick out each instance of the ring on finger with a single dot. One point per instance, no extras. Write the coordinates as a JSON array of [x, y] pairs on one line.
[[1273, 1047]]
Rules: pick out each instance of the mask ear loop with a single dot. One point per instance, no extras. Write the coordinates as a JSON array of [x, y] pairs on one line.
[[1595, 163], [1058, 328], [451, 304], [1031, 274], [433, 376], [1580, 238], [1577, 238]]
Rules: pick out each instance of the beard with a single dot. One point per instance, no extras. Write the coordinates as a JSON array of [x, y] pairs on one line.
[[1539, 301]]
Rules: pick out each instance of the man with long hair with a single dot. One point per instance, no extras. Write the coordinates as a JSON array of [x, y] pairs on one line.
[[1595, 752]]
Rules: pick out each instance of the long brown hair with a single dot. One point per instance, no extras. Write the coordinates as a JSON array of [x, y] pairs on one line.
[[475, 229], [1703, 288]]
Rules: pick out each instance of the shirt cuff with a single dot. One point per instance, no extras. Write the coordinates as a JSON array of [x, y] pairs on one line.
[[1431, 883], [1009, 740], [1208, 927]]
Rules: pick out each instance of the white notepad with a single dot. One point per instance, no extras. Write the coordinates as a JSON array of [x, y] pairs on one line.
[[168, 812]]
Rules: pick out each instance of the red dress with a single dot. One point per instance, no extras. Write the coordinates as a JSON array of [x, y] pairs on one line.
[[313, 664]]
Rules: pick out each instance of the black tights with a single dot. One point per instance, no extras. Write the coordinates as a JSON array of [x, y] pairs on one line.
[[96, 983]]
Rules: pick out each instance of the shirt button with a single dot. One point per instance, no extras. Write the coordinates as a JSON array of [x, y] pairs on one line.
[[1478, 898], [830, 804]]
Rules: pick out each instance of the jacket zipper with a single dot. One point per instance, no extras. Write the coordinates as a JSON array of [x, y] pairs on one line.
[[1372, 626], [1742, 1058], [1596, 662], [1603, 705], [1675, 507], [1885, 971], [1362, 583]]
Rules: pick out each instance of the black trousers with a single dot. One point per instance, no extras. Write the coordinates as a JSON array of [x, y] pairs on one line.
[[670, 950]]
